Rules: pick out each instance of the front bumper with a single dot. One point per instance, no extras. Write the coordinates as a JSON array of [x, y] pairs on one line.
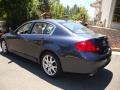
[[77, 65]]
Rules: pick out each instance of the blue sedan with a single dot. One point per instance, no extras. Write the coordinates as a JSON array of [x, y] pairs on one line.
[[59, 46]]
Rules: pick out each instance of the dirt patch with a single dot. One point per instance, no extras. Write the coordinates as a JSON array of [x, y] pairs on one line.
[[113, 35]]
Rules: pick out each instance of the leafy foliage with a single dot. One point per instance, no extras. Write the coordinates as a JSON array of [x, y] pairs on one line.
[[57, 10], [19, 11], [15, 12]]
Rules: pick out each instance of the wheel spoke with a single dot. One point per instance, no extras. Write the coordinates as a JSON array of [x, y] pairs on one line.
[[52, 60], [53, 69], [45, 65], [49, 71], [46, 59]]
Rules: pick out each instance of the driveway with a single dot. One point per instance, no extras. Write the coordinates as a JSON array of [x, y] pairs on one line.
[[17, 73]]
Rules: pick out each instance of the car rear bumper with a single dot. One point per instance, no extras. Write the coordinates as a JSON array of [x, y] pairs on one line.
[[77, 65]]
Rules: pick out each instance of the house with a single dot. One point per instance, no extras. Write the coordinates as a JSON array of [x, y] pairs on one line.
[[107, 12]]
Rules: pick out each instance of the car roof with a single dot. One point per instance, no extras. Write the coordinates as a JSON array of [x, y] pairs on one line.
[[50, 20]]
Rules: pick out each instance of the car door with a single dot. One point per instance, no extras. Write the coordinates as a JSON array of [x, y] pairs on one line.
[[34, 41], [16, 40]]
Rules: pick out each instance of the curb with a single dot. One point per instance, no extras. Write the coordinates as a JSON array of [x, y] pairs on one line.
[[116, 49]]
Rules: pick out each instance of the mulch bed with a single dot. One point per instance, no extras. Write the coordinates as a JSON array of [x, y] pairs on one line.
[[113, 35]]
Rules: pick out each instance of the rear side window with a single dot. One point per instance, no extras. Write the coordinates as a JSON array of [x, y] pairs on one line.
[[38, 28], [42, 28], [48, 29]]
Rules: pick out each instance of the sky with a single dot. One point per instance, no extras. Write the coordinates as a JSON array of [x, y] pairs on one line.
[[85, 3]]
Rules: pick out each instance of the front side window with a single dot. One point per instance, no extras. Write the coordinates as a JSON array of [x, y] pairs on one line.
[[24, 29]]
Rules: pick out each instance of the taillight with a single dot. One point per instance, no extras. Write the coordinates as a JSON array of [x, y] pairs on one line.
[[86, 46]]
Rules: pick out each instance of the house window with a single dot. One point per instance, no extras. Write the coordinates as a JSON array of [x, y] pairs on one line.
[[116, 17]]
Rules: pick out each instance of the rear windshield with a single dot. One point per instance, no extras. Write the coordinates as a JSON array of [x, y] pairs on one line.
[[76, 28]]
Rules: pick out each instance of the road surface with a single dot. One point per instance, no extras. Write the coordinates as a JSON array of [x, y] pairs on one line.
[[17, 73]]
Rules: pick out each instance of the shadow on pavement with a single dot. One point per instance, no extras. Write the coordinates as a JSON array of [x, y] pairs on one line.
[[68, 81]]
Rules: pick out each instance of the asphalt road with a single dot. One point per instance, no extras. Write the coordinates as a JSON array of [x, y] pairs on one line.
[[17, 73]]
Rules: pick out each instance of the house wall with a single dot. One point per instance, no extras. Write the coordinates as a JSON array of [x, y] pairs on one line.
[[107, 12]]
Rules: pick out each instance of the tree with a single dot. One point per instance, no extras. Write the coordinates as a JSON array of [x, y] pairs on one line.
[[67, 10], [15, 12], [44, 6], [79, 13], [57, 10], [19, 11]]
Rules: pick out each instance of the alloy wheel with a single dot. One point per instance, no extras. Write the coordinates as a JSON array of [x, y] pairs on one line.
[[49, 65]]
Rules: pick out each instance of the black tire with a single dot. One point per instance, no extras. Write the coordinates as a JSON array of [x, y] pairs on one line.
[[57, 64], [4, 48]]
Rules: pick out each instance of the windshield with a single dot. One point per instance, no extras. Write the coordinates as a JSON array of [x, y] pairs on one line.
[[77, 28]]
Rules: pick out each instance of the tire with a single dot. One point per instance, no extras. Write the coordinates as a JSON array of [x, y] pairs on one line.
[[51, 64], [4, 47]]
